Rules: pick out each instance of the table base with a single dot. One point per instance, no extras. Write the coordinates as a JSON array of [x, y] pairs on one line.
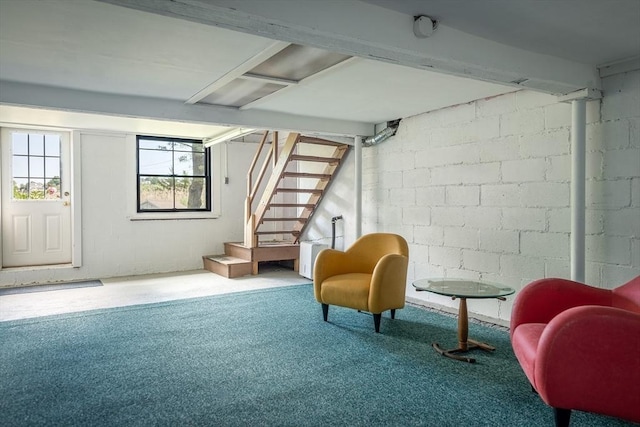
[[463, 348]]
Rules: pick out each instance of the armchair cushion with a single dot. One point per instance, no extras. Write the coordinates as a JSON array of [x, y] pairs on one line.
[[347, 290]]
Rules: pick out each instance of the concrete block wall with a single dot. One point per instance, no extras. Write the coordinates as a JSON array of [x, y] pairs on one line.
[[482, 191]]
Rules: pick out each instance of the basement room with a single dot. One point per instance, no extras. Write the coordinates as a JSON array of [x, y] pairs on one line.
[[310, 213]]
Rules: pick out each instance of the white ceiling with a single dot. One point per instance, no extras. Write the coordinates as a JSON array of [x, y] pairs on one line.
[[593, 32], [94, 57]]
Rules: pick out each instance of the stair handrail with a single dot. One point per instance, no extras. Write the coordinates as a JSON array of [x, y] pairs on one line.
[[261, 174], [254, 162], [251, 224]]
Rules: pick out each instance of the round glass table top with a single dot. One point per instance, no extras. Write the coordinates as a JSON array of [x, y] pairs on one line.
[[462, 288]]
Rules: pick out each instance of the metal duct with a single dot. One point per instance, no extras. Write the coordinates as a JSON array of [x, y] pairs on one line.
[[383, 135]]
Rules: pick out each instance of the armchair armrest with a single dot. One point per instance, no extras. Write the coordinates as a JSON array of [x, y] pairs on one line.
[[587, 359], [542, 300], [388, 283]]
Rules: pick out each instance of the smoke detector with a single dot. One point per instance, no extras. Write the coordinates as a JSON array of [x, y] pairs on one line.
[[424, 26]]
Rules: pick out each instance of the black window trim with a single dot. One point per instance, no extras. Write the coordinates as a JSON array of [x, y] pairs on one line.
[[207, 175]]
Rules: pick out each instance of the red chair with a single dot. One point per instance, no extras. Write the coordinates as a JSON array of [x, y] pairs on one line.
[[579, 346]]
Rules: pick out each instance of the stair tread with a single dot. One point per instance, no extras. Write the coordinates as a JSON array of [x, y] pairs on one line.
[[288, 218], [298, 190], [265, 244], [315, 158], [226, 259], [292, 205], [307, 175], [320, 141], [263, 233]]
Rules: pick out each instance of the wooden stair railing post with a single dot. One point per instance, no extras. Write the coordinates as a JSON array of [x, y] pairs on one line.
[[274, 148], [248, 224]]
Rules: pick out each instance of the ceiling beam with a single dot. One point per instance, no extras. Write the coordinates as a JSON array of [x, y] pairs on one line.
[[36, 96], [365, 30]]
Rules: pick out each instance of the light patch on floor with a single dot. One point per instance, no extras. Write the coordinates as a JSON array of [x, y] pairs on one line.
[[120, 292]]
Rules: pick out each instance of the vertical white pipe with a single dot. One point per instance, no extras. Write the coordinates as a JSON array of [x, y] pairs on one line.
[[578, 162], [358, 185]]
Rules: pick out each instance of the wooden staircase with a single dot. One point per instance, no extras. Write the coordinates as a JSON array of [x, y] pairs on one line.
[[301, 172]]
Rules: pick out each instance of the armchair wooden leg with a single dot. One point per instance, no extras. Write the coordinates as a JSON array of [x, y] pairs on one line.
[[376, 321], [325, 311], [562, 417], [393, 313]]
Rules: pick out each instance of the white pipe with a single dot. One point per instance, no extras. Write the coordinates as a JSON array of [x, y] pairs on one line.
[[578, 161], [358, 185]]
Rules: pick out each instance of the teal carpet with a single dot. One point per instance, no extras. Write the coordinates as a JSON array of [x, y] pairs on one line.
[[258, 358]]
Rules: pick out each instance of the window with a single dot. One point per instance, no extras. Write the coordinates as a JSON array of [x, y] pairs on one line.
[[35, 166], [173, 175]]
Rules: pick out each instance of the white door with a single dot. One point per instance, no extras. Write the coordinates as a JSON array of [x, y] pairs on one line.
[[36, 213]]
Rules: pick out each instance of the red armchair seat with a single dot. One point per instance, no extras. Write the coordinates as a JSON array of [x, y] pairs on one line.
[[579, 346]]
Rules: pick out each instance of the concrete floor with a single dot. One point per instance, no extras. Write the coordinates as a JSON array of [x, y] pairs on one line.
[[134, 290]]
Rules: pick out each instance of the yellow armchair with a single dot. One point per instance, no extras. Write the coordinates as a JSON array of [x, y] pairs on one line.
[[369, 276]]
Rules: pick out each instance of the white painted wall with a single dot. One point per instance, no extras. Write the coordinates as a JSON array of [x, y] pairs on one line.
[[481, 191], [113, 245]]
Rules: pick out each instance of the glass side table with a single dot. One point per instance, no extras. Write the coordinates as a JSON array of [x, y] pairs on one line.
[[463, 289]]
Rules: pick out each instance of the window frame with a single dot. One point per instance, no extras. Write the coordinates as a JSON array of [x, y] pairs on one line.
[[207, 177], [32, 177]]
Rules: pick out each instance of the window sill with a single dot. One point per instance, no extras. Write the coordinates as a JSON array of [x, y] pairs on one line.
[[172, 216]]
